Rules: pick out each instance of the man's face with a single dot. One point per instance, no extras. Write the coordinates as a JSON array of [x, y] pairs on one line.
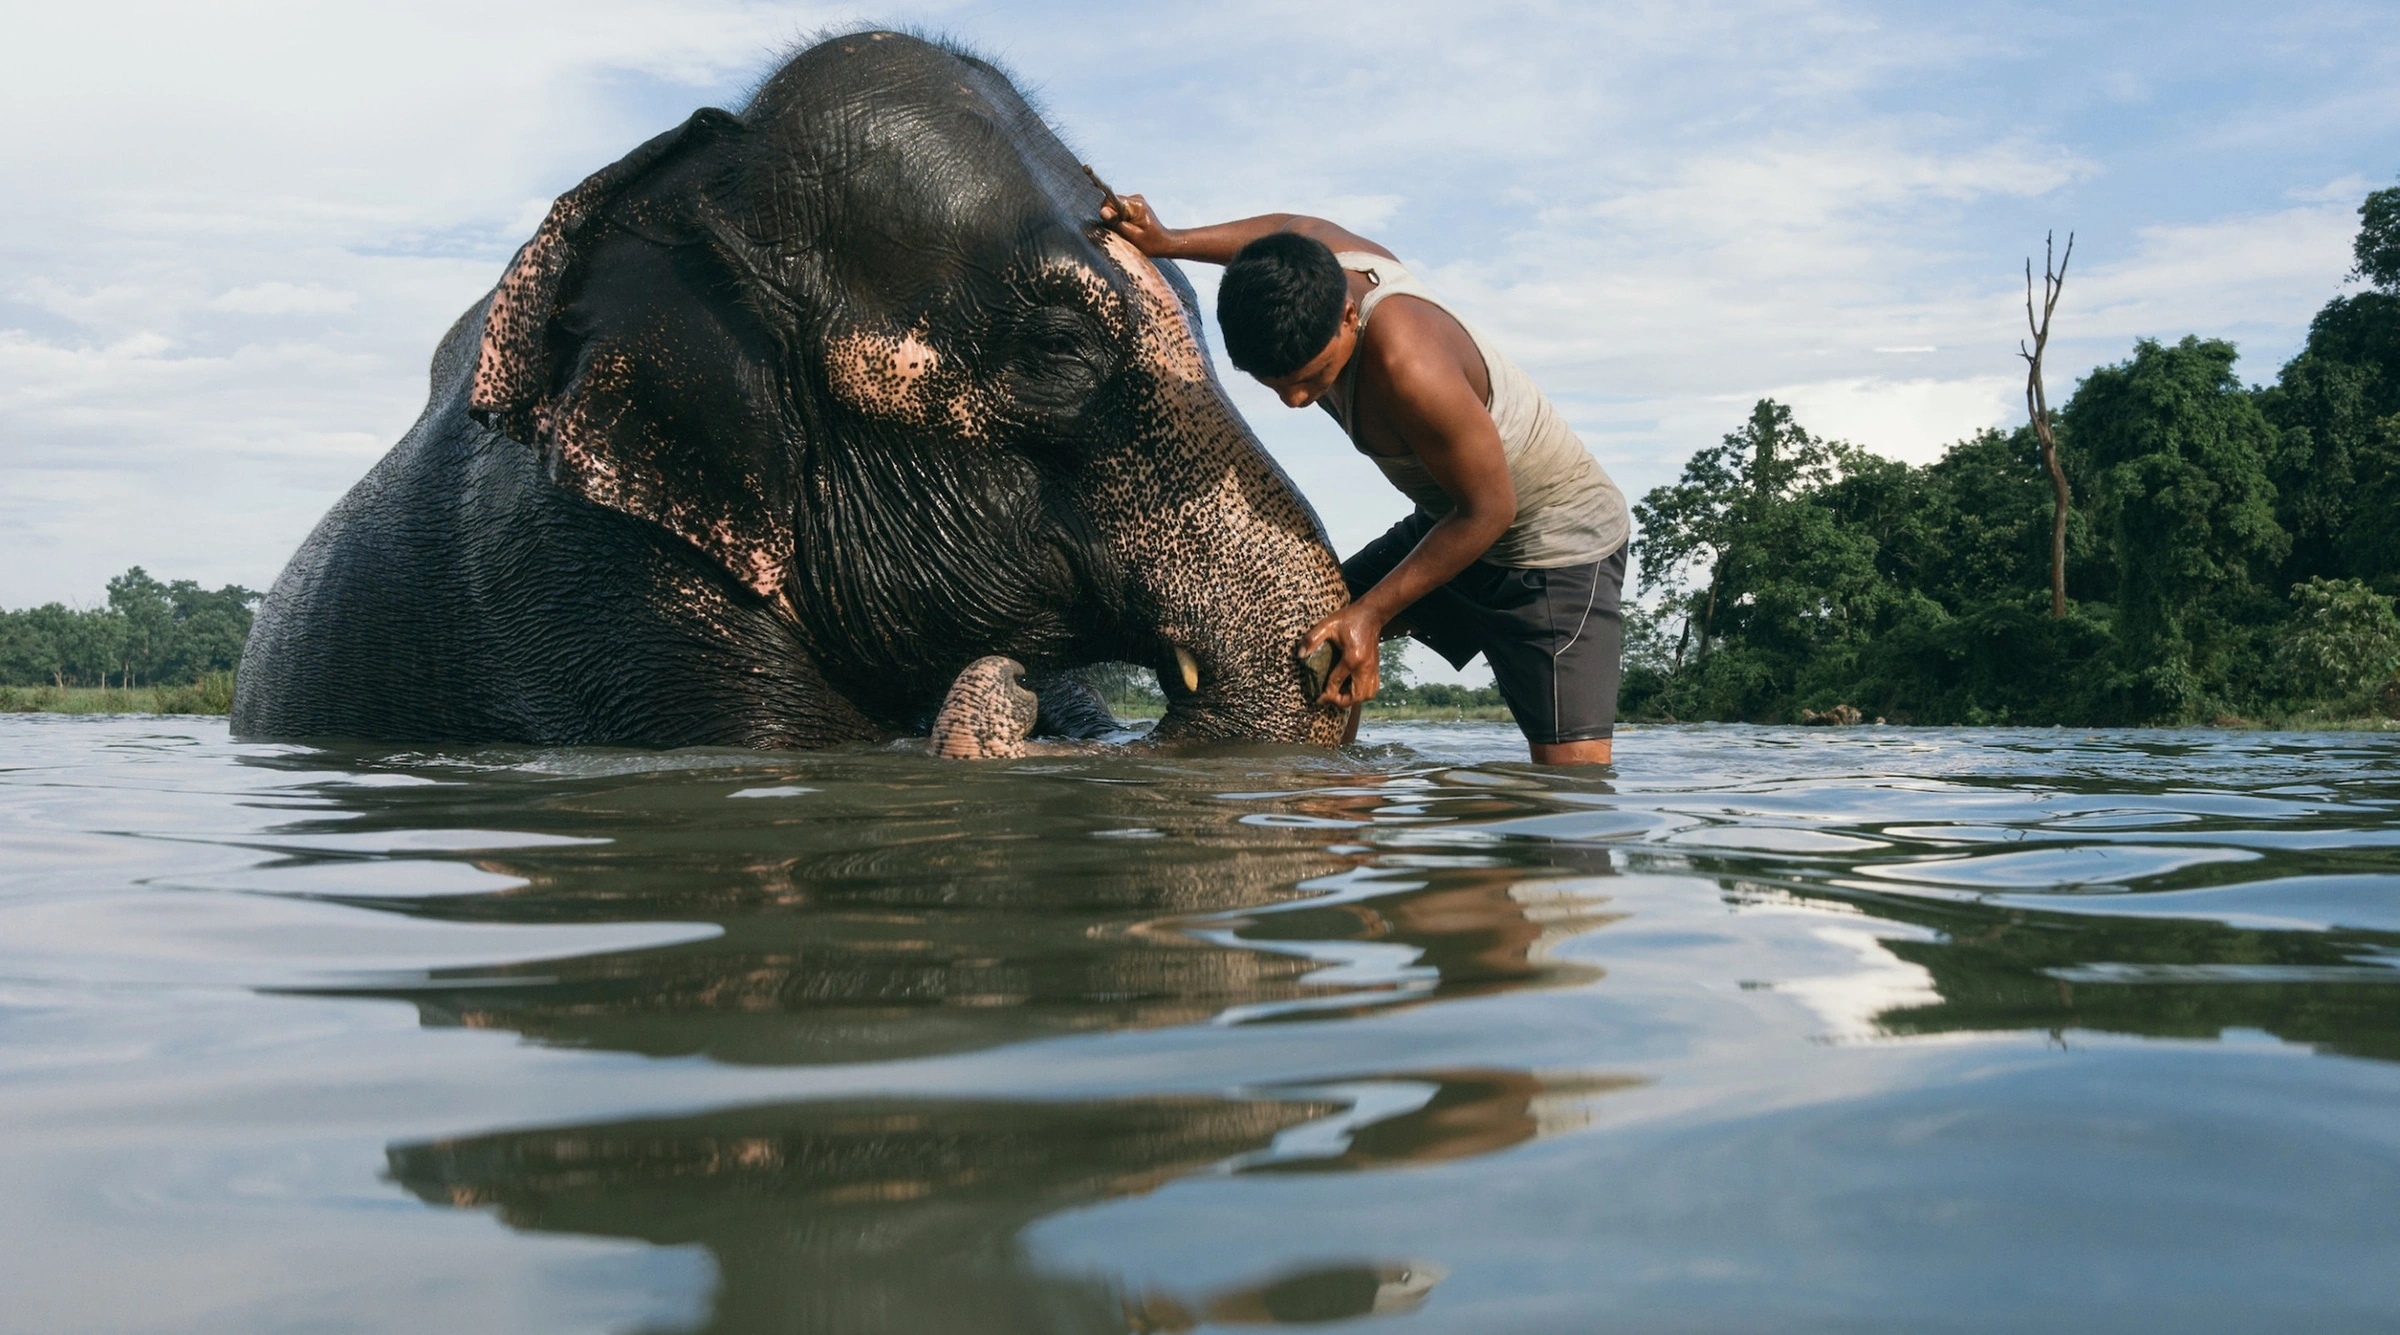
[[1315, 376]]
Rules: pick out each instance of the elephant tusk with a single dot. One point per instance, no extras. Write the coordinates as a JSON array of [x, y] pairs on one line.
[[1190, 667]]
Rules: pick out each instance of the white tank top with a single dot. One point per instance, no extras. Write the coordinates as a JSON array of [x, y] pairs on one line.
[[1568, 511]]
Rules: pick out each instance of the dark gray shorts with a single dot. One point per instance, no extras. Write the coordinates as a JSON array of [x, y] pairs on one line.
[[1554, 638]]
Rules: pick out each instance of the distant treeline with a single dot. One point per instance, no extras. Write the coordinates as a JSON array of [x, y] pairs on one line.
[[149, 634], [1131, 690], [2232, 551]]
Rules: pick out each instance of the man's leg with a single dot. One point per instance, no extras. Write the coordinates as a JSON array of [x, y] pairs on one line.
[[1556, 642], [1599, 751]]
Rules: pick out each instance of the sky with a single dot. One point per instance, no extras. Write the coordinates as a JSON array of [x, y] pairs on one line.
[[231, 234]]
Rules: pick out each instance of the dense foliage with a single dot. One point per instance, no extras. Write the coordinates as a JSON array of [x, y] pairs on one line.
[[149, 634], [2232, 550]]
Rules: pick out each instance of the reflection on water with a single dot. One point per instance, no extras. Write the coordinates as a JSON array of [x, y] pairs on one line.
[[973, 911], [1121, 1043], [835, 1215], [1997, 969], [890, 909]]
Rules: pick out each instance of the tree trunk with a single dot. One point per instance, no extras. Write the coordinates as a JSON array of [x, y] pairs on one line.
[[2058, 525], [1708, 619], [2037, 411]]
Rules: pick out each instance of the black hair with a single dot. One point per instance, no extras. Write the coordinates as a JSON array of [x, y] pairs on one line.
[[1280, 303]]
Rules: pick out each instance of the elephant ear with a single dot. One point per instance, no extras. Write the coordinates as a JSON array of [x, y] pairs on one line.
[[614, 346], [512, 377]]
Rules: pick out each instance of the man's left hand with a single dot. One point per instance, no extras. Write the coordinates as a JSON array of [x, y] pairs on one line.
[[1136, 223], [1356, 633]]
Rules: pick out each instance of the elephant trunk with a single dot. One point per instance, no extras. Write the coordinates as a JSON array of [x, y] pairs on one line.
[[1227, 566]]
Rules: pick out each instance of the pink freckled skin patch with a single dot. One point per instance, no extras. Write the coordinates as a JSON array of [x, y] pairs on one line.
[[882, 375], [911, 359], [1173, 346]]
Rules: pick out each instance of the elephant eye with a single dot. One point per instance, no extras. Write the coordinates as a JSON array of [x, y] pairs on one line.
[[1057, 359]]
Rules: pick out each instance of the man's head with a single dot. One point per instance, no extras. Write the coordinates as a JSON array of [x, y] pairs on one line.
[[1285, 308]]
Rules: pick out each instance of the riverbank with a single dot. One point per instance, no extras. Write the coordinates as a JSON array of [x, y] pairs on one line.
[[215, 696], [212, 694], [2303, 721]]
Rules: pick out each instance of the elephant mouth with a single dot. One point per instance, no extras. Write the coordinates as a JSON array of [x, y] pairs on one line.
[[1204, 690]]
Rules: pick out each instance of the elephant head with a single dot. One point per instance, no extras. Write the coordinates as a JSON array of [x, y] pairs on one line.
[[866, 346]]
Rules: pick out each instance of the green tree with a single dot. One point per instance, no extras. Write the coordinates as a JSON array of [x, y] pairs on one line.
[[1123, 684], [209, 629], [1391, 666], [1963, 631], [2378, 245], [2337, 406], [1792, 586], [2343, 640], [147, 615], [1709, 519], [149, 633], [28, 654], [2174, 453], [84, 648]]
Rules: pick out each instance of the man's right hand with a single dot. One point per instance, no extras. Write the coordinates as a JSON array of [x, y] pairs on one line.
[[1140, 226], [1356, 633]]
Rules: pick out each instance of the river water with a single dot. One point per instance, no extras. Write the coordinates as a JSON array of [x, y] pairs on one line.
[[1791, 1030]]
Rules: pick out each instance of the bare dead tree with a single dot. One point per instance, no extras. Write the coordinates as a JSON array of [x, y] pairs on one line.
[[2037, 406]]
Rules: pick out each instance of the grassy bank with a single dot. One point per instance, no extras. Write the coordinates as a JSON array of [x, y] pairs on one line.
[[1378, 712], [212, 694], [2335, 719]]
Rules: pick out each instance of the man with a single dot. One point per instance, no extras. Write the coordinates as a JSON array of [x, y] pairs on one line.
[[1517, 546]]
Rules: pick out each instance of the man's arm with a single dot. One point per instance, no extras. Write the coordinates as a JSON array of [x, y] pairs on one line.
[[1443, 421], [1217, 243]]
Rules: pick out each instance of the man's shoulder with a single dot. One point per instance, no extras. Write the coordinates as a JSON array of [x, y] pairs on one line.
[[1411, 338]]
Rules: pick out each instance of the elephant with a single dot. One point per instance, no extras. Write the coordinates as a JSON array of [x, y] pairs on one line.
[[777, 424]]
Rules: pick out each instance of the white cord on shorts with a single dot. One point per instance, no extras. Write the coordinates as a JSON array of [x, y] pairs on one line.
[[1590, 596]]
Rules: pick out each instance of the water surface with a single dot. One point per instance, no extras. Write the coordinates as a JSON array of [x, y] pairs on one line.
[[1790, 1030]]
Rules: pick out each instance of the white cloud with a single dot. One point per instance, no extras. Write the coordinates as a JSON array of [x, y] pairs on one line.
[[1908, 420], [276, 298], [2247, 271]]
